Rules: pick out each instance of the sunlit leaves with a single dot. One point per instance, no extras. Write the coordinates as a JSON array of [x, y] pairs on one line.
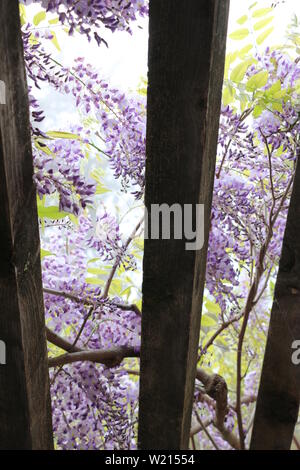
[[39, 17], [258, 109], [45, 253], [262, 24], [244, 51], [62, 135], [228, 95], [263, 36], [51, 212], [258, 80], [239, 34], [94, 281], [261, 12], [212, 307], [240, 70], [207, 321], [55, 41], [23, 16], [242, 19]]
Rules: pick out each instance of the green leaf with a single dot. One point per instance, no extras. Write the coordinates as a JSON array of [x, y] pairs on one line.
[[274, 88], [73, 219], [46, 253], [239, 71], [94, 280], [277, 107], [244, 101], [258, 110], [230, 58], [263, 23], [39, 17], [101, 189], [97, 175], [212, 307], [98, 271], [258, 80], [207, 321], [93, 260], [245, 51], [261, 12], [275, 92], [23, 15], [221, 341], [55, 41], [51, 212], [41, 146], [239, 34], [228, 95], [264, 35], [62, 135], [54, 21], [116, 287], [242, 19]]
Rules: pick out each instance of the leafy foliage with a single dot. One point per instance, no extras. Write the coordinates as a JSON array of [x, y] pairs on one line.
[[92, 249]]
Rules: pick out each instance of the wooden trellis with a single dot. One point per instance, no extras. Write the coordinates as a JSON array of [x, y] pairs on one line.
[[186, 60], [278, 398], [25, 413]]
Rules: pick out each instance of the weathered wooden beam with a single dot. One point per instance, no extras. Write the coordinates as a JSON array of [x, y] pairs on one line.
[[186, 60], [277, 405], [25, 412]]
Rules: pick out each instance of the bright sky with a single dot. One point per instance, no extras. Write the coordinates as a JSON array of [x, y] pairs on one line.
[[125, 62]]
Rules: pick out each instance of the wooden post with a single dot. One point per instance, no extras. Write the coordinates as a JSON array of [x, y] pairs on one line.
[[186, 61], [279, 392], [25, 412]]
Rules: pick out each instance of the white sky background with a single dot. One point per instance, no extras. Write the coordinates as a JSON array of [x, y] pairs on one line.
[[123, 64], [125, 61]]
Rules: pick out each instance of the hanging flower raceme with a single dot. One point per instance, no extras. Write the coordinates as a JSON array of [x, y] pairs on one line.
[[87, 16]]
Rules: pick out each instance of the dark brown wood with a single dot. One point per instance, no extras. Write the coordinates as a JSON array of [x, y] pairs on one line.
[[186, 60], [279, 392], [25, 412]]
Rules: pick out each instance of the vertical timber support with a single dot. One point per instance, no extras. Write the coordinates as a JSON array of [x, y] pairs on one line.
[[278, 398], [25, 412], [187, 42]]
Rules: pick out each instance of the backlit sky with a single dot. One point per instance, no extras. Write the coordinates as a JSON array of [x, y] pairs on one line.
[[125, 62]]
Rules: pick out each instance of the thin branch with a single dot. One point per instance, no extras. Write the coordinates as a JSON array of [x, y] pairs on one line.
[[296, 442], [200, 427], [218, 332], [250, 302], [87, 301], [60, 342], [270, 163], [205, 430], [109, 357], [215, 386], [117, 262], [243, 116]]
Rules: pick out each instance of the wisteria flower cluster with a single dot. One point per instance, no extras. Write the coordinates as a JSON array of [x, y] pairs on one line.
[[90, 299], [87, 17]]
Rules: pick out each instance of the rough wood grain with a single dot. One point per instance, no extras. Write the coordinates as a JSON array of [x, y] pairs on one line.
[[25, 414], [186, 60], [279, 392]]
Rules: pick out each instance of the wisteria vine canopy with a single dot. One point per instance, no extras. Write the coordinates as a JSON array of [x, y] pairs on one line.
[[90, 180]]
